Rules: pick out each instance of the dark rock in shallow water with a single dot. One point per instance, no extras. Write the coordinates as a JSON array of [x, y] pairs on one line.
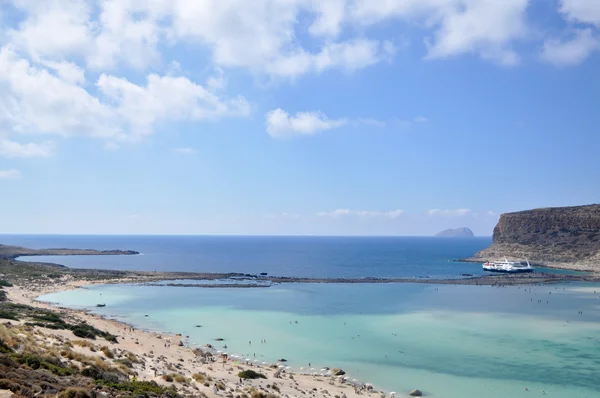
[[219, 339], [338, 372], [416, 393]]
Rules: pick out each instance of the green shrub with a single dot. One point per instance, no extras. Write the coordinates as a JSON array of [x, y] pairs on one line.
[[4, 349], [5, 283], [141, 387], [251, 374], [4, 314]]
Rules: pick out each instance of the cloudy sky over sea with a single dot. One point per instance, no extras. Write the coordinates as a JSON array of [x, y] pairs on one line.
[[360, 117]]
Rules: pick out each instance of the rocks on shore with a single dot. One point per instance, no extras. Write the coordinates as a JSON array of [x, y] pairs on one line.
[[338, 372], [416, 393]]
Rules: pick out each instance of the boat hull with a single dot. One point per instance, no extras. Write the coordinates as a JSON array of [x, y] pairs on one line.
[[513, 271]]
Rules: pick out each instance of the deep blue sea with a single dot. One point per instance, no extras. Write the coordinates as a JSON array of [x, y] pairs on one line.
[[350, 257], [450, 341]]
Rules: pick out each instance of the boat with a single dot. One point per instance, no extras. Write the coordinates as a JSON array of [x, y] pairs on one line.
[[511, 267]]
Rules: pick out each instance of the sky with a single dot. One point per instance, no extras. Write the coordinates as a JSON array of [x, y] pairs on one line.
[[294, 117]]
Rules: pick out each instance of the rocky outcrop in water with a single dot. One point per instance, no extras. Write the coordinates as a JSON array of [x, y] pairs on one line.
[[562, 237], [463, 232]]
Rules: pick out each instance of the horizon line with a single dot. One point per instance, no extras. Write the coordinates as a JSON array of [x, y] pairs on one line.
[[239, 235]]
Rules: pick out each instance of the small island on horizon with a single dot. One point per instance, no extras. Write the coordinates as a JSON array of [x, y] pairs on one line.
[[463, 232]]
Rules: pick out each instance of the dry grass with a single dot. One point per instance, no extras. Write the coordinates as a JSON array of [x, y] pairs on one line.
[[107, 352], [180, 378], [74, 392], [85, 343], [199, 377]]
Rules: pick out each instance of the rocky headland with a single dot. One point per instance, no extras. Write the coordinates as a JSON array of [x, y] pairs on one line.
[[558, 237], [463, 232]]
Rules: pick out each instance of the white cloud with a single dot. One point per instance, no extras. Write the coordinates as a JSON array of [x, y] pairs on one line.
[[421, 119], [185, 151], [330, 16], [263, 36], [36, 99], [165, 98], [572, 51], [393, 214], [586, 11], [53, 29], [281, 124], [483, 27], [11, 149], [449, 213], [10, 174]]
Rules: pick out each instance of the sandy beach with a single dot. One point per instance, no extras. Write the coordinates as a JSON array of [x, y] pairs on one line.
[[162, 354]]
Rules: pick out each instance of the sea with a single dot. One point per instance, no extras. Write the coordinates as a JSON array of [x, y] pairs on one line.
[[449, 341]]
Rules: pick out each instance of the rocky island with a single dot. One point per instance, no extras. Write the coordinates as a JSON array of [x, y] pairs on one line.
[[463, 232], [559, 237]]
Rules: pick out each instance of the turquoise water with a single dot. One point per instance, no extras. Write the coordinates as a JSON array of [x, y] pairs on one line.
[[449, 341]]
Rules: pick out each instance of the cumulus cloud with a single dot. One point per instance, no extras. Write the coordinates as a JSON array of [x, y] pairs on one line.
[[585, 11], [10, 174], [572, 51], [11, 149], [449, 213], [393, 214], [486, 28], [263, 35], [39, 99], [281, 124]]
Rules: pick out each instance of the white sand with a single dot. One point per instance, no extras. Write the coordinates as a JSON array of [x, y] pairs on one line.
[[177, 359]]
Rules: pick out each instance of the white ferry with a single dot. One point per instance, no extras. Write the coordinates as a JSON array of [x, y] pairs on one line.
[[507, 266]]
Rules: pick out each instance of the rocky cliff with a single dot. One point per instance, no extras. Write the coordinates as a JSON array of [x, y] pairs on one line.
[[456, 233], [562, 237]]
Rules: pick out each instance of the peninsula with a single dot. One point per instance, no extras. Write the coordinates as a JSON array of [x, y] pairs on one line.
[[557, 237], [16, 251]]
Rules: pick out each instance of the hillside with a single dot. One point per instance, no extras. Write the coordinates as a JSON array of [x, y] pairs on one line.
[[562, 237]]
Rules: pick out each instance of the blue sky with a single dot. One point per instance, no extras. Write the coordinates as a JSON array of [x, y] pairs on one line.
[[338, 117]]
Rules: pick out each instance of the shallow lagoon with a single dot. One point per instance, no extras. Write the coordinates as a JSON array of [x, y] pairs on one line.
[[449, 341]]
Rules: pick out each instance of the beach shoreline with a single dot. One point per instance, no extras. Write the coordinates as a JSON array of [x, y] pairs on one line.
[[163, 353]]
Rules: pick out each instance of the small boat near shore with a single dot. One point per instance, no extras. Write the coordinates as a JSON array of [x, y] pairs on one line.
[[509, 267]]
